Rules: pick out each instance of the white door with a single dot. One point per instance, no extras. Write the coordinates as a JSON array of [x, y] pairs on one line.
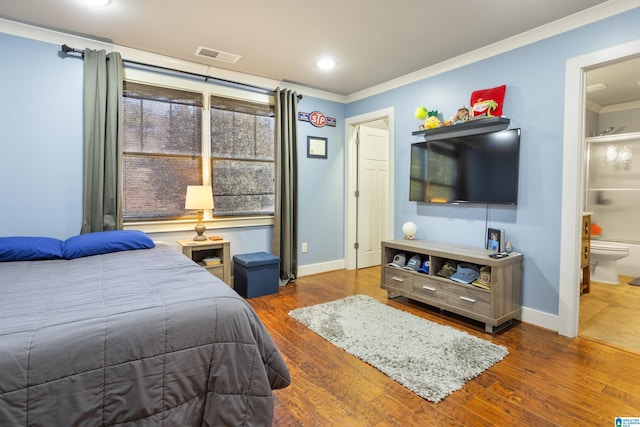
[[373, 194]]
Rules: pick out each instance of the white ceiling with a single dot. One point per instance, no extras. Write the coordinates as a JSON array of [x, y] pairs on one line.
[[622, 81], [281, 39]]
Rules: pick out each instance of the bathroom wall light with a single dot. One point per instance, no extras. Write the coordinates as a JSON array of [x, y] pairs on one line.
[[611, 153], [619, 157]]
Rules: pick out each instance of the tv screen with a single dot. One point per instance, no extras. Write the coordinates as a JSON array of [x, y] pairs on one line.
[[480, 168]]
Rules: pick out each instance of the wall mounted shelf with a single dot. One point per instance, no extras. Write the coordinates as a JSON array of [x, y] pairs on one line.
[[470, 127]]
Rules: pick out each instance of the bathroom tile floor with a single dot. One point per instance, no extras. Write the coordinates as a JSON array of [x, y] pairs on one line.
[[611, 314]]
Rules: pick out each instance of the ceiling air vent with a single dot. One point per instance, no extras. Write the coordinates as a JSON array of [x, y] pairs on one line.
[[218, 55]]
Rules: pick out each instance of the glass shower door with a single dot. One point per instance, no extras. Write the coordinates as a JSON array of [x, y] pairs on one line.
[[613, 185]]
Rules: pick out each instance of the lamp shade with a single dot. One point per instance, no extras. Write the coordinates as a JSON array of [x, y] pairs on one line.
[[199, 197]]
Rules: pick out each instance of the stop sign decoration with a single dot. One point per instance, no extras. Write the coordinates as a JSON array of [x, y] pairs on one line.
[[318, 119]]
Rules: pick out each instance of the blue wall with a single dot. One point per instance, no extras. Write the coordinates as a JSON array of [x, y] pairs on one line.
[[40, 140], [534, 101], [321, 186]]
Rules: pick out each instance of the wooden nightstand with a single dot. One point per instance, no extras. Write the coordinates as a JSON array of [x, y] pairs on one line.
[[199, 250]]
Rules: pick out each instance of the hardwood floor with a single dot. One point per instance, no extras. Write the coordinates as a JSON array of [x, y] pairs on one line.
[[546, 380]]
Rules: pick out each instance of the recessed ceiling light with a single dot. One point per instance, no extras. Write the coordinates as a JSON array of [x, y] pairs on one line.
[[326, 63], [596, 87], [98, 2]]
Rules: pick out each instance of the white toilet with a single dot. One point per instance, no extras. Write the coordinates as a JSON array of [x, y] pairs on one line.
[[603, 259]]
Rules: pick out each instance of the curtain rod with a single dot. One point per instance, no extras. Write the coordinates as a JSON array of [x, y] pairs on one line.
[[67, 50]]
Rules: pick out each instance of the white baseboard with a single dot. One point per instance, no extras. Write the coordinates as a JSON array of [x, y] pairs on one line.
[[307, 270], [540, 318]]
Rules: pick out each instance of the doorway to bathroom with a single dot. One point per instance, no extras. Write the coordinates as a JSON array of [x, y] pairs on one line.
[[579, 127], [609, 311]]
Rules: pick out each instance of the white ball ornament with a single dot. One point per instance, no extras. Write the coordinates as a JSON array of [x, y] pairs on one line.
[[409, 229]]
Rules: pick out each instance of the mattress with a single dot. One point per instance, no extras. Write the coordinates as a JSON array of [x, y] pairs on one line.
[[139, 337]]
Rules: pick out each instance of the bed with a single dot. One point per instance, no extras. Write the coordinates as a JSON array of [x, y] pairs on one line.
[[134, 336]]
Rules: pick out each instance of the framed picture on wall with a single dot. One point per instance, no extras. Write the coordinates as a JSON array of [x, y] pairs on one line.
[[316, 147]]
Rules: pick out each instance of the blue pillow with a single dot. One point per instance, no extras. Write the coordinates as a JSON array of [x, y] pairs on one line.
[[104, 242], [27, 248]]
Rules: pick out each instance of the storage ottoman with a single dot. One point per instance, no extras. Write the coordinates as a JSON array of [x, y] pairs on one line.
[[256, 274]]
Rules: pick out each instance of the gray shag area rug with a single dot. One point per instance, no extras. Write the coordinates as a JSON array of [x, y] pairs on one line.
[[429, 359]]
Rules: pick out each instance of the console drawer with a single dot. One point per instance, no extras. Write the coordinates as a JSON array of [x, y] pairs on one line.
[[398, 278], [469, 298], [430, 288]]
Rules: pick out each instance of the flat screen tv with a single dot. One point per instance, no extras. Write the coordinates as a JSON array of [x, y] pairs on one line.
[[480, 168]]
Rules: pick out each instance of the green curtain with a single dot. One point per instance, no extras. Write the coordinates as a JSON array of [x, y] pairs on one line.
[[285, 228], [102, 141]]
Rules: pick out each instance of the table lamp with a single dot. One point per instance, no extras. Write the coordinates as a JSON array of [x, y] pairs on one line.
[[199, 197]]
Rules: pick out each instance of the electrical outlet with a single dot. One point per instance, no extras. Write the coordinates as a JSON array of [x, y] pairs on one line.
[[304, 248]]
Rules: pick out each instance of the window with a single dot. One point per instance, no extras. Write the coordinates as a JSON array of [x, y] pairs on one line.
[[167, 145], [242, 157]]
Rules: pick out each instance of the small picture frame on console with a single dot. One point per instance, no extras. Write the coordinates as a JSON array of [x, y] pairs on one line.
[[495, 239]]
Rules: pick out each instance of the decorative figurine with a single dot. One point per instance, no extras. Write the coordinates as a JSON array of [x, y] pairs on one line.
[[461, 116], [484, 107], [432, 122]]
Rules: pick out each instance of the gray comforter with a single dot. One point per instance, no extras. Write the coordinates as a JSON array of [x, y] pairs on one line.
[[143, 337]]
